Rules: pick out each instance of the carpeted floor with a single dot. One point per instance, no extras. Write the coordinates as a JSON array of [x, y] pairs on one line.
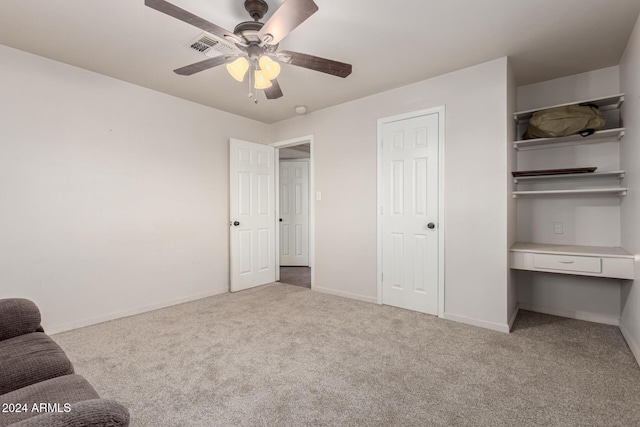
[[283, 355]]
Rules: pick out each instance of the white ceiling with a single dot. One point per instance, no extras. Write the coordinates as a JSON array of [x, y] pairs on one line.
[[390, 43]]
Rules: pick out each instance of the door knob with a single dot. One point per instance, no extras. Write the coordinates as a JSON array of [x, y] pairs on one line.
[[280, 219], [431, 226], [236, 223]]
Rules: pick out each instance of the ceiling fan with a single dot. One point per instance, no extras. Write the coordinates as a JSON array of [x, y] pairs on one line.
[[257, 44]]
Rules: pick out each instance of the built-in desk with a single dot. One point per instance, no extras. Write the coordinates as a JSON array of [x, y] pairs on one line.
[[594, 261]]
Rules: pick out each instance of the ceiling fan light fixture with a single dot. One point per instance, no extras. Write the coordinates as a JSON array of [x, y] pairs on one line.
[[270, 67], [238, 68], [261, 80]]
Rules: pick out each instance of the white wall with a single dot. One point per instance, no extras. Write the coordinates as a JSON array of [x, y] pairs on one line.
[[113, 198], [475, 188], [586, 221], [579, 87], [630, 156]]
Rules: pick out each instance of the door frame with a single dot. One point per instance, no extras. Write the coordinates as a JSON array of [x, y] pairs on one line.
[[308, 139], [441, 137]]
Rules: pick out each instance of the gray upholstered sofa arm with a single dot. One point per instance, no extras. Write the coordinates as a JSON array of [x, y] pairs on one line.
[[88, 413], [18, 316]]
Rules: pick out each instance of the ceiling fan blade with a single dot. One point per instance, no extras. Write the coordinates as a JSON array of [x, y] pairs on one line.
[[316, 63], [288, 16], [273, 92], [204, 65], [190, 18]]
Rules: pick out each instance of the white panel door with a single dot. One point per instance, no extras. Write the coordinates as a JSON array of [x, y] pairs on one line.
[[294, 213], [410, 213], [252, 214]]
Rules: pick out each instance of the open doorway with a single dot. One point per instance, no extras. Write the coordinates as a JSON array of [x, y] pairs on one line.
[[294, 201]]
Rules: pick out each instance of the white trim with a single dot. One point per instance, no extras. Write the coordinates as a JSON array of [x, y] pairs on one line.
[[571, 314], [513, 317], [56, 329], [372, 300], [293, 142], [633, 344], [276, 162], [312, 206], [498, 327], [441, 222]]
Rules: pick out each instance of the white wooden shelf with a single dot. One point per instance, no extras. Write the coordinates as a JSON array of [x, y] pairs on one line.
[[553, 249], [605, 135], [617, 191], [596, 261], [604, 104], [619, 175]]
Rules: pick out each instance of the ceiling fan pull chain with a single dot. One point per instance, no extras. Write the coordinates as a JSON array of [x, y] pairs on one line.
[[250, 80], [252, 85]]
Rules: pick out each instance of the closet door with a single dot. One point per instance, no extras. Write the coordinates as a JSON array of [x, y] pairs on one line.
[[410, 213], [294, 213]]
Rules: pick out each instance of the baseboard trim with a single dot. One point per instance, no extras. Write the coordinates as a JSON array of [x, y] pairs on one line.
[[633, 344], [344, 294], [578, 315], [498, 327], [513, 317], [56, 329]]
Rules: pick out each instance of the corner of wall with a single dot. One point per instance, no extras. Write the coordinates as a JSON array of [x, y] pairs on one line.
[[628, 332], [630, 210], [511, 94]]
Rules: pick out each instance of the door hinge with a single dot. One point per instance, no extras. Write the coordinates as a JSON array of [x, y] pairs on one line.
[[381, 143], [381, 210], [382, 277]]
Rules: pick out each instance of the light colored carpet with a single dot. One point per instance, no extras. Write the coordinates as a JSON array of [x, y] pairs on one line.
[[282, 355]]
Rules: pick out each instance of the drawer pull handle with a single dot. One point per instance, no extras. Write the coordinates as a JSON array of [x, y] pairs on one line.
[[566, 262]]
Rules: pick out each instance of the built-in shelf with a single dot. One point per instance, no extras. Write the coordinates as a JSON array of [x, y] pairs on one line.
[[617, 191], [604, 104], [619, 175], [599, 136], [596, 261], [579, 250]]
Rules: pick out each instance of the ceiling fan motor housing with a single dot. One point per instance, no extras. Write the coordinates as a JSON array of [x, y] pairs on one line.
[[249, 31], [256, 8]]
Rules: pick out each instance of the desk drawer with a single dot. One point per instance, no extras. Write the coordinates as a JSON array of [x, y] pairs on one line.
[[568, 263]]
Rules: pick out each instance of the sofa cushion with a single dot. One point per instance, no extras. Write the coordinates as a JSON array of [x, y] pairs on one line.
[[54, 393], [18, 316], [28, 359], [89, 413]]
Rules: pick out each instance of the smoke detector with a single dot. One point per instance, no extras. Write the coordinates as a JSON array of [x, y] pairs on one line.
[[211, 46], [301, 109]]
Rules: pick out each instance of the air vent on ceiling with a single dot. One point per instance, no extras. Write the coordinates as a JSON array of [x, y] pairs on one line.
[[211, 46]]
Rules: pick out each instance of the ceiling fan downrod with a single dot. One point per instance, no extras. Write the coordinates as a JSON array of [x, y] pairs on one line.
[[256, 8]]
